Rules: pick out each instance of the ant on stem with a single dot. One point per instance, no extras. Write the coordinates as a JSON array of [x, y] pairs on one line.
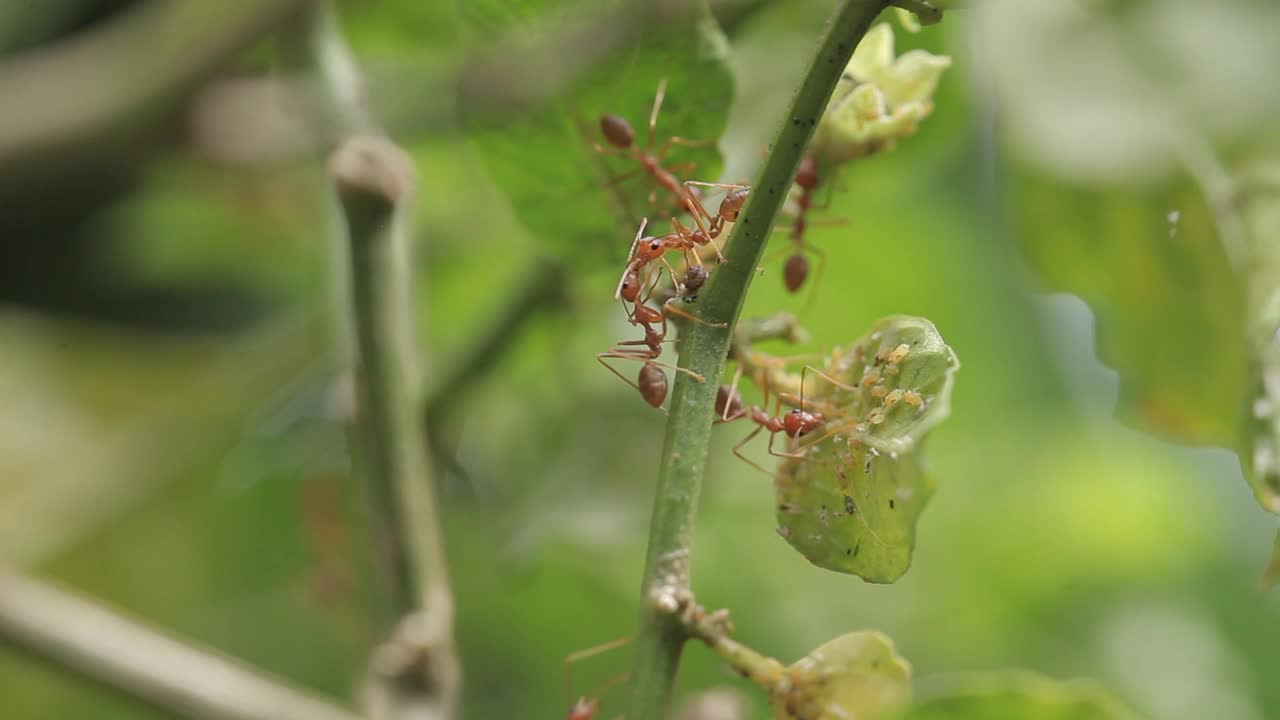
[[796, 269], [651, 383]]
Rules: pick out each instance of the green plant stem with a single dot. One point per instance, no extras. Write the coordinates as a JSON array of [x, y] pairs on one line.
[[416, 673], [703, 349]]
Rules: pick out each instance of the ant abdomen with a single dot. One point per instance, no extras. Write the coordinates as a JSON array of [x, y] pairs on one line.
[[795, 271], [631, 286], [617, 131], [653, 384], [694, 278], [728, 404]]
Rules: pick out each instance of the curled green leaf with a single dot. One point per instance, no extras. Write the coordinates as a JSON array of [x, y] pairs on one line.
[[850, 499], [857, 675]]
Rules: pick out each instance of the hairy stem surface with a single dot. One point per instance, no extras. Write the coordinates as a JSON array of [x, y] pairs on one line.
[[703, 350]]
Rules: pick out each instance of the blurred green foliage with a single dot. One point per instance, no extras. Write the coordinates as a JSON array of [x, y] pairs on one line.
[[201, 481]]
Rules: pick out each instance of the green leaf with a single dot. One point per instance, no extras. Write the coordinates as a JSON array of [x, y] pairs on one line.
[[1187, 310], [1192, 340], [561, 189], [857, 675], [1181, 359], [852, 502], [1021, 696]]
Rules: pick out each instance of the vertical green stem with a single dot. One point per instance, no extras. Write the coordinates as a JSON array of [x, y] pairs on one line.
[[703, 350], [417, 667]]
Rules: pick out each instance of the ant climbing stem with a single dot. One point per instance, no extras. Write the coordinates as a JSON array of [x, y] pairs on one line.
[[621, 138], [796, 269], [651, 383]]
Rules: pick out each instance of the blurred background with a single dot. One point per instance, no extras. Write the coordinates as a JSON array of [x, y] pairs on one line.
[[171, 442]]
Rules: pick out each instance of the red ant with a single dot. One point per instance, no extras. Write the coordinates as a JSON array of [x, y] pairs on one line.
[[730, 207], [618, 133], [647, 249], [796, 269], [651, 383], [796, 424]]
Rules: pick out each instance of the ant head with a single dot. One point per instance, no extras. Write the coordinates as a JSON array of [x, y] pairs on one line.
[[650, 248], [807, 174], [617, 131], [799, 423]]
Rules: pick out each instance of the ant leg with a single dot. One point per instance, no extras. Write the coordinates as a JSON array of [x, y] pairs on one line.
[[793, 400], [817, 278], [619, 179], [672, 271], [610, 151], [710, 234], [617, 292], [687, 167], [580, 655], [737, 450], [667, 307], [624, 355], [727, 186], [686, 371], [733, 390], [800, 452], [784, 250], [683, 142], [653, 114], [824, 376], [614, 354], [686, 236]]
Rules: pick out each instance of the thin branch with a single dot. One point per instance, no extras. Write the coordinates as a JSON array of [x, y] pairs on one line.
[[703, 350], [414, 672], [175, 675], [375, 183]]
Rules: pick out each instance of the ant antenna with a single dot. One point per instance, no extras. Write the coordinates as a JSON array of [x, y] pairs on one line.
[[657, 105], [631, 254], [803, 373]]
